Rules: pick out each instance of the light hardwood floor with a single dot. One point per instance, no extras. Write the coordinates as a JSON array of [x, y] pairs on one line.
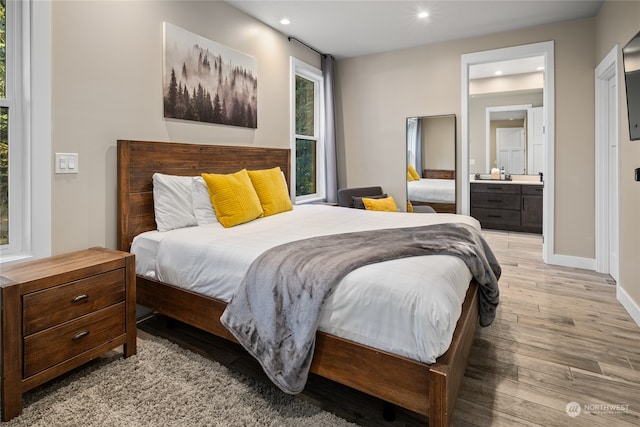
[[560, 337]]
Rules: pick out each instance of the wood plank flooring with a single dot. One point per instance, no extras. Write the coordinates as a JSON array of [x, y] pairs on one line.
[[560, 337]]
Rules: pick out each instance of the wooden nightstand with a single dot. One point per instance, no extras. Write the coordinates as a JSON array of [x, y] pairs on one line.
[[61, 312]]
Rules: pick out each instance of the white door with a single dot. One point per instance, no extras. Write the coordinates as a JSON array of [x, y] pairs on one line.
[[510, 150], [535, 141], [607, 170], [613, 182]]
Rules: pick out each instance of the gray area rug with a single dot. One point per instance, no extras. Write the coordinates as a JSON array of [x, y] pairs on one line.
[[165, 385]]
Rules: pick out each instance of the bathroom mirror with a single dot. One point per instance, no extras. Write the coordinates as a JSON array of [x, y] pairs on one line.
[[431, 162], [506, 130]]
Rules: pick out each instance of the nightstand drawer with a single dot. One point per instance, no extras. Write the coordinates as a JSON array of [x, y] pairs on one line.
[[59, 304], [52, 346]]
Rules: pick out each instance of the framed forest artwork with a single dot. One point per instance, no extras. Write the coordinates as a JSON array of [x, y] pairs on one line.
[[205, 81]]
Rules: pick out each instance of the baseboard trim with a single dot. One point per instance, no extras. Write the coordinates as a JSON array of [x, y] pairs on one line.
[[572, 261], [629, 304]]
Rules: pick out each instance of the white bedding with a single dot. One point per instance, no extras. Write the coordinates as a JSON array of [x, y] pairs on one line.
[[432, 190], [407, 307]]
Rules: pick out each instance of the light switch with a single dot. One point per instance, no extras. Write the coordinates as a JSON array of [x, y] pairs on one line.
[[66, 162]]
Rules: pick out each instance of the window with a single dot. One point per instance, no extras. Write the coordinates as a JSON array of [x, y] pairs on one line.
[[25, 130], [10, 150], [308, 178]]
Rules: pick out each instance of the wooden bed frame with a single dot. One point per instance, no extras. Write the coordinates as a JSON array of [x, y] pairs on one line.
[[438, 174], [429, 390]]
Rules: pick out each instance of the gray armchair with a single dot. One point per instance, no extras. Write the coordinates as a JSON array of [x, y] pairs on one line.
[[348, 197]]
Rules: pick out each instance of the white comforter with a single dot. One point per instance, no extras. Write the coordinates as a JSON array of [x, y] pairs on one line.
[[407, 307]]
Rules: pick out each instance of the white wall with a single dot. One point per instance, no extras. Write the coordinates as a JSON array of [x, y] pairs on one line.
[[438, 150]]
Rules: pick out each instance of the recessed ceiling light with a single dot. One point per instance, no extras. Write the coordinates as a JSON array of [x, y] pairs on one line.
[[498, 73], [423, 14], [285, 21], [540, 68]]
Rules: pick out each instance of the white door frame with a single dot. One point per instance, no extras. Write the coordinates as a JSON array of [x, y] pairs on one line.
[[546, 50], [606, 70]]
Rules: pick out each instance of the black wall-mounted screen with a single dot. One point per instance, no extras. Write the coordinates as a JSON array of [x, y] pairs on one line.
[[631, 59]]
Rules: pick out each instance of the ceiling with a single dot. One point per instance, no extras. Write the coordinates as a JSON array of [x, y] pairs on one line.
[[350, 28], [505, 68]]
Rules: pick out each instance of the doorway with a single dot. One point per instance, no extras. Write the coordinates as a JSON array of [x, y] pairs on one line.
[[546, 50]]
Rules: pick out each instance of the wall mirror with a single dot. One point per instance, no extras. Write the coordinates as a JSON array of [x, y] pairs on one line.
[[431, 162], [631, 58]]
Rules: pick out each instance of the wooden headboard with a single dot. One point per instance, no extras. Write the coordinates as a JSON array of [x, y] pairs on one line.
[[139, 160]]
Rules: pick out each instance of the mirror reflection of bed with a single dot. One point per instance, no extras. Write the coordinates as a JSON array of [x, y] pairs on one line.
[[431, 162]]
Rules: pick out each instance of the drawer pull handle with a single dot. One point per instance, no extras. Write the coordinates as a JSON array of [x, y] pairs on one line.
[[494, 200], [494, 216], [79, 335], [79, 298]]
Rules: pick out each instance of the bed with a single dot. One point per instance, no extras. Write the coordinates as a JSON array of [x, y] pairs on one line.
[[426, 388], [437, 189]]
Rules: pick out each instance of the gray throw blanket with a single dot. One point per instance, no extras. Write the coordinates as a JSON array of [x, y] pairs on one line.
[[276, 310]]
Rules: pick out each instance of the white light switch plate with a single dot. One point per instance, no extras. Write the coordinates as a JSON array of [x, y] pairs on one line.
[[66, 162]]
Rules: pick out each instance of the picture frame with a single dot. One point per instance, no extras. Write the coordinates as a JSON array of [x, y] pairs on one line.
[[208, 82]]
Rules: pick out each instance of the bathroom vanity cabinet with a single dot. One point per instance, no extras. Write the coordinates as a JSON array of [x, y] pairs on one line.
[[507, 205]]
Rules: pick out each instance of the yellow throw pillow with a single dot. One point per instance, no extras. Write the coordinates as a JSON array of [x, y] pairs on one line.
[[410, 177], [233, 197], [386, 204], [409, 206], [413, 172], [272, 190]]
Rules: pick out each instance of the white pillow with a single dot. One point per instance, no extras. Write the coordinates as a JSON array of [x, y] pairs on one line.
[[172, 201], [202, 207]]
